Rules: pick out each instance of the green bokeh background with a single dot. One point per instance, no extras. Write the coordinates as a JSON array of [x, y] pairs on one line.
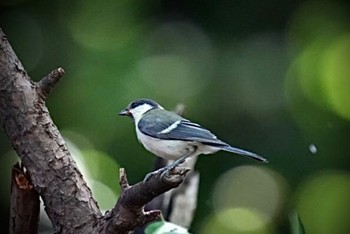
[[272, 77]]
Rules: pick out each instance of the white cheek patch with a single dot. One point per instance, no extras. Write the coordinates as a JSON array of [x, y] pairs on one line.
[[170, 128], [139, 111]]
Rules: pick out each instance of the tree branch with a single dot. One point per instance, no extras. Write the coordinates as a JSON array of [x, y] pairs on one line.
[[41, 147], [25, 203], [68, 200], [129, 209]]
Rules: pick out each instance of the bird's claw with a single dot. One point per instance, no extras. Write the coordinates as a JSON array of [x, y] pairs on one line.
[[153, 173], [168, 168], [162, 171], [166, 171]]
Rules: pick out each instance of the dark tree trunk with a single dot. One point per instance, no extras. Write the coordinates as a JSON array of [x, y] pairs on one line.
[[52, 171]]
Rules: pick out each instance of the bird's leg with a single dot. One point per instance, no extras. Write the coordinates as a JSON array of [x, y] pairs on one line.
[[177, 162], [171, 166], [181, 160]]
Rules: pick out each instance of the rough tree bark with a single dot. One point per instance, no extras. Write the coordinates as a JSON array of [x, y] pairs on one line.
[[67, 199], [25, 202]]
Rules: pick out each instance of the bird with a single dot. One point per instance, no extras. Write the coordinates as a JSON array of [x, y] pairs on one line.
[[172, 137]]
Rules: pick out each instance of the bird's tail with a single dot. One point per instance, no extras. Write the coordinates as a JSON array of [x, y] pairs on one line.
[[245, 153]]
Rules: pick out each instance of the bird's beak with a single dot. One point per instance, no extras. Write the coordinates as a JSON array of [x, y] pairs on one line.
[[125, 112]]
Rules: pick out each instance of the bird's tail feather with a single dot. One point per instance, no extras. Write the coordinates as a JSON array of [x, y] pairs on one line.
[[245, 153]]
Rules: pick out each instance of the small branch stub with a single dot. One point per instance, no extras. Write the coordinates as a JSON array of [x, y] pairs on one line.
[[123, 180], [46, 84]]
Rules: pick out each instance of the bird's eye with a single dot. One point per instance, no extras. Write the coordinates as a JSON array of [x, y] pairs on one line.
[[133, 105]]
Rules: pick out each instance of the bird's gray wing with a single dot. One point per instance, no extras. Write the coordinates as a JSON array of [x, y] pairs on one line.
[[155, 121], [189, 131], [174, 127]]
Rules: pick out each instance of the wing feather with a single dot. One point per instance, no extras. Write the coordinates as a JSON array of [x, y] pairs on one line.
[[174, 127]]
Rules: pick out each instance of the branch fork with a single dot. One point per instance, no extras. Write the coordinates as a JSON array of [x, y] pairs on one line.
[[52, 171]]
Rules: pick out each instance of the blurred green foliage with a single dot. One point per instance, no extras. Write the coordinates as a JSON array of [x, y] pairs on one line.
[[163, 227], [268, 76], [296, 226]]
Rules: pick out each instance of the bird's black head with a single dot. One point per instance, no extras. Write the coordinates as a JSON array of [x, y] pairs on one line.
[[139, 107], [142, 101]]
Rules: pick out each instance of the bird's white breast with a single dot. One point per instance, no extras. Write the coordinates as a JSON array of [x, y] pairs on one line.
[[173, 149], [168, 149]]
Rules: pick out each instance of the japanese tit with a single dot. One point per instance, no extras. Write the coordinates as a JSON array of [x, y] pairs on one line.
[[173, 137]]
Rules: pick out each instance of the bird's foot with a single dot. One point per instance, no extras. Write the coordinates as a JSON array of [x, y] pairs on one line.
[[164, 170], [168, 168], [176, 163], [153, 173]]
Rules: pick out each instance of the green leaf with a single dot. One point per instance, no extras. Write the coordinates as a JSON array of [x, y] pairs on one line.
[[162, 227], [296, 226]]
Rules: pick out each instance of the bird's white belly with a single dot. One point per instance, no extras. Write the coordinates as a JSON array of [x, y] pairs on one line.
[[168, 149]]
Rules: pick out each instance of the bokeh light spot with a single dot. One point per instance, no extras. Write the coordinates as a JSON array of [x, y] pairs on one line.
[[165, 76], [313, 149], [323, 203], [168, 73], [98, 168], [102, 26], [242, 219], [254, 191], [236, 221], [307, 71], [316, 34], [251, 72], [317, 22], [103, 194], [336, 76], [184, 39]]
